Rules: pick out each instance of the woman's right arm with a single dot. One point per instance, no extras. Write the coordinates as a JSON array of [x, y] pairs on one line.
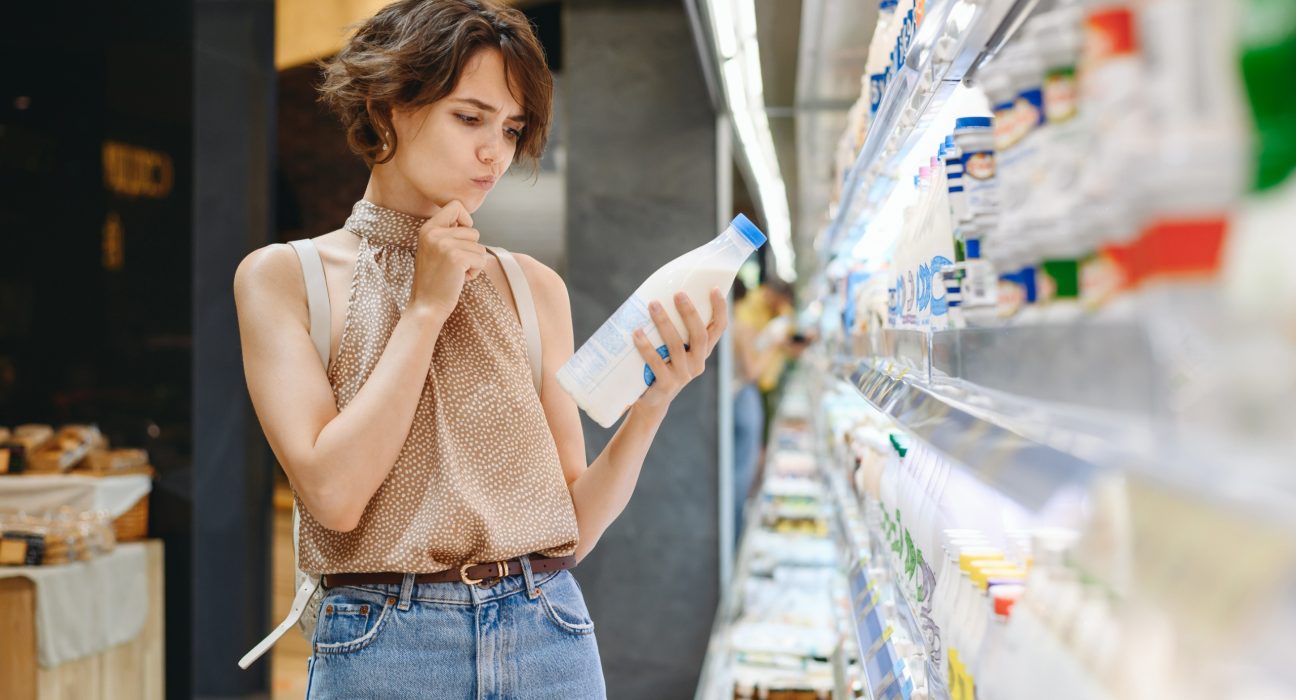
[[337, 460]]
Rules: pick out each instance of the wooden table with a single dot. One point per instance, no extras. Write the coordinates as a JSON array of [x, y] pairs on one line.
[[131, 671]]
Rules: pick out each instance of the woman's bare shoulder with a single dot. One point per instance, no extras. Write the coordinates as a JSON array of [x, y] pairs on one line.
[[547, 284], [274, 271], [267, 273]]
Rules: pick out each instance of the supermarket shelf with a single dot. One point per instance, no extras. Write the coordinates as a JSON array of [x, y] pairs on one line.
[[1100, 365], [715, 681], [1108, 366], [1029, 447], [866, 623], [955, 37], [1026, 471]]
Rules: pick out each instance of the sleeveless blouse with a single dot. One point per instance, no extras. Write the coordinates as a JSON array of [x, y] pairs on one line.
[[478, 479]]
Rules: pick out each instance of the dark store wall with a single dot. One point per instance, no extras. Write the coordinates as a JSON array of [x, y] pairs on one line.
[[318, 178], [96, 170]]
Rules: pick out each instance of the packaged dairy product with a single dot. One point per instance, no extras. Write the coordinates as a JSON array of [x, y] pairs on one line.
[[878, 63], [607, 375], [979, 289], [1063, 139], [954, 179], [974, 137], [1113, 96]]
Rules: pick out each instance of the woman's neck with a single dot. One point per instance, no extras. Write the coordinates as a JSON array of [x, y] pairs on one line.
[[389, 190]]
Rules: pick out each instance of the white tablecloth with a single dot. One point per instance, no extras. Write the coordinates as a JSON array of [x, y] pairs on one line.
[[35, 493], [86, 607]]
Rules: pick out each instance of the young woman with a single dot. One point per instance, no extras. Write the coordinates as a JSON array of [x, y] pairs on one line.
[[442, 498]]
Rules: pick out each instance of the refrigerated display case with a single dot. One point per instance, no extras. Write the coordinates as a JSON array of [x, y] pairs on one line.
[[1051, 401]]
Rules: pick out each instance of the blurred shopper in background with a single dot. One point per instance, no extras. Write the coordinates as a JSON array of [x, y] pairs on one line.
[[763, 340]]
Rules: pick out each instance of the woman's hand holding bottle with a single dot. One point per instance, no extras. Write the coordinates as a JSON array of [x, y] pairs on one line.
[[685, 362]]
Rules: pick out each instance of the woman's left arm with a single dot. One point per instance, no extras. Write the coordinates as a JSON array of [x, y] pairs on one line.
[[601, 490]]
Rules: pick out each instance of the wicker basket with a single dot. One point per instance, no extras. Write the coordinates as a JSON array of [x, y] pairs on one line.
[[133, 524]]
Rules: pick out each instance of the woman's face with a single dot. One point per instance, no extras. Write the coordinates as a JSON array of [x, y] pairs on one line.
[[459, 146]]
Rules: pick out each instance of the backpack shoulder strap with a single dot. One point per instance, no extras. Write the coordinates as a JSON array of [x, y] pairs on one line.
[[317, 298], [526, 311], [321, 321]]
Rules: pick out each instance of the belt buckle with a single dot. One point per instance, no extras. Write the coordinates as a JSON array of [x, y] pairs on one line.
[[501, 572]]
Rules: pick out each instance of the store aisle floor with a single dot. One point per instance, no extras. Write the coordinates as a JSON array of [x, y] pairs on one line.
[[288, 669]]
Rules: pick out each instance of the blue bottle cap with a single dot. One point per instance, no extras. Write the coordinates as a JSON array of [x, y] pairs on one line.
[[949, 142], [749, 231], [972, 123]]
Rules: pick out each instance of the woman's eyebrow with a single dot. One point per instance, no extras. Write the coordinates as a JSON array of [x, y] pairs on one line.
[[488, 108]]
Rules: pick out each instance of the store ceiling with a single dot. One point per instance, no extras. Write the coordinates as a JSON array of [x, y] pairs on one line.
[[829, 56]]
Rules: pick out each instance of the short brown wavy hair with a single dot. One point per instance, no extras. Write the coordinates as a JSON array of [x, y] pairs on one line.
[[412, 54]]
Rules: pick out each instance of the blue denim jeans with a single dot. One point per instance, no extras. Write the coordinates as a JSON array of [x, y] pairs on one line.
[[748, 421], [526, 637]]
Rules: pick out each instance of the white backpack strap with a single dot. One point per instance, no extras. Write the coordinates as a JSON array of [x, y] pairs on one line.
[[321, 321], [317, 297], [304, 593], [526, 311]]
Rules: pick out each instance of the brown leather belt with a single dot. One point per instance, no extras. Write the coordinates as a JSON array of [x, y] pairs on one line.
[[471, 574]]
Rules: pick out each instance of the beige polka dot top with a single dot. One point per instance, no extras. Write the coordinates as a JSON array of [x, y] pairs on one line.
[[478, 479]]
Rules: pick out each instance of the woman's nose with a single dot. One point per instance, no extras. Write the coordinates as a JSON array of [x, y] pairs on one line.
[[489, 152]]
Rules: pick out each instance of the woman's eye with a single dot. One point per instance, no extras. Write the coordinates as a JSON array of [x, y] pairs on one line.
[[514, 134], [467, 119]]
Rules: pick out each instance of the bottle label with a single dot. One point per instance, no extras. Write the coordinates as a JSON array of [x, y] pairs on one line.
[[1109, 33], [1017, 119], [979, 284], [924, 293], [1003, 123], [877, 87], [980, 182], [980, 165], [1100, 279], [1061, 95], [909, 296], [954, 168], [940, 302], [597, 357], [1060, 280]]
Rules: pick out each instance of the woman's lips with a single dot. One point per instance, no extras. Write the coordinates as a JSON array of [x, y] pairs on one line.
[[485, 183]]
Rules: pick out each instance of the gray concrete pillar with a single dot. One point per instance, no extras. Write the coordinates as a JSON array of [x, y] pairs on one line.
[[642, 187], [234, 123]]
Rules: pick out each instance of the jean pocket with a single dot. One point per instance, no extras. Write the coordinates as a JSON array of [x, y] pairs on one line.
[[349, 621], [565, 606]]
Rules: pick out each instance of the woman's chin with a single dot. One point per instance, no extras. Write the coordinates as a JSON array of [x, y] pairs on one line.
[[473, 201]]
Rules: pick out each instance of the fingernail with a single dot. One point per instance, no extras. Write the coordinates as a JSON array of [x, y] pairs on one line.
[[655, 306]]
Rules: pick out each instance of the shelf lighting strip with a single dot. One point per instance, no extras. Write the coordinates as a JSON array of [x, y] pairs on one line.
[[733, 32]]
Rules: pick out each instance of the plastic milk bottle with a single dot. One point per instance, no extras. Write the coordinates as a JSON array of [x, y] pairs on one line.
[[607, 374]]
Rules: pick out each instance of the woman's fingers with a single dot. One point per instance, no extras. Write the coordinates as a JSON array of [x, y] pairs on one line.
[[697, 351], [454, 213], [686, 362], [719, 319], [649, 353], [670, 336]]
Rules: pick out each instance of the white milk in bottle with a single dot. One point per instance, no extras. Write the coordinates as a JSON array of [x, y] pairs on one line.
[[607, 374]]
